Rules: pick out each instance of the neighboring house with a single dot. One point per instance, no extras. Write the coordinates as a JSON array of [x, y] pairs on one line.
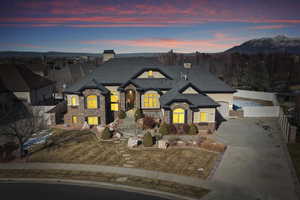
[[26, 85], [175, 94]]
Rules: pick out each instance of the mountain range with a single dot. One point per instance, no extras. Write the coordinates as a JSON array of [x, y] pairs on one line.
[[278, 44]]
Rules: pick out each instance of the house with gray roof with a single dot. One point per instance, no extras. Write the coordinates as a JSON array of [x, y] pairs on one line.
[[174, 94]]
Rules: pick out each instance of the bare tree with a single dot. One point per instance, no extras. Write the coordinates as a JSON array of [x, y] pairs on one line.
[[23, 124]]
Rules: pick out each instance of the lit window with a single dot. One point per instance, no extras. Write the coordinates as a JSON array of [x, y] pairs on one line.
[[92, 102], [150, 73], [74, 101], [151, 100], [74, 120], [203, 117], [93, 120], [178, 116], [114, 101]]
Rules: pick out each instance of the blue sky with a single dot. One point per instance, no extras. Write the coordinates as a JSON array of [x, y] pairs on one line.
[[142, 26]]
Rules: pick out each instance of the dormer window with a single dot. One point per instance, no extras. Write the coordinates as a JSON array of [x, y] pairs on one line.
[[150, 74]]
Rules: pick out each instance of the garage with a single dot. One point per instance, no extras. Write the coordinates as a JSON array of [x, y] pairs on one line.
[[223, 109]]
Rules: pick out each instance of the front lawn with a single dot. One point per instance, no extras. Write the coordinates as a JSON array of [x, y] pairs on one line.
[[82, 147]]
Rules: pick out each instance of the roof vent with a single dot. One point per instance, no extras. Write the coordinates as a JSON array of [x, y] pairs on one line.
[[187, 65]]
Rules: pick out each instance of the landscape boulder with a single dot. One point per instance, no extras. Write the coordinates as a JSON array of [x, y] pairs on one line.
[[132, 142], [163, 144], [85, 126]]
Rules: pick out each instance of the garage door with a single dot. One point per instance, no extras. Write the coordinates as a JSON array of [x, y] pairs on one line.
[[223, 109]]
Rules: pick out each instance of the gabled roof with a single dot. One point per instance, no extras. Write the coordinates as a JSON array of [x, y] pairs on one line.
[[18, 78], [153, 68], [194, 100], [189, 84]]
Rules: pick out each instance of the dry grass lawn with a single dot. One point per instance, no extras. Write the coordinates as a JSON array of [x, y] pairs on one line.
[[82, 147]]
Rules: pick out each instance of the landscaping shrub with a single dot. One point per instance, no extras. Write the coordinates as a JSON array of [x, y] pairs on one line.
[[185, 128], [193, 130], [172, 129], [148, 140], [148, 122], [106, 134], [121, 114], [164, 129], [138, 114]]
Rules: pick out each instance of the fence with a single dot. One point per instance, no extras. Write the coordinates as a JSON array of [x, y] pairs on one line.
[[289, 131], [259, 111]]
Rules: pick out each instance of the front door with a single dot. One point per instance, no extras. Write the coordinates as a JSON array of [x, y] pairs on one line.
[[129, 99]]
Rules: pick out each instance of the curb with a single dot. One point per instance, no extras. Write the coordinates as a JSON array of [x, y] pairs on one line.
[[111, 186]]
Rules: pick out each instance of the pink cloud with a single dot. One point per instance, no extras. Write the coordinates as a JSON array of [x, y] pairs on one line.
[[220, 42]]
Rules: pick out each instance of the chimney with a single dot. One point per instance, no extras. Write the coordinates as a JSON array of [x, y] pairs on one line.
[[107, 55], [187, 65]]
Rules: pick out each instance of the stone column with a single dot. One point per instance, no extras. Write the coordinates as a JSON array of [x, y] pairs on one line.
[[103, 109], [189, 116], [137, 104], [122, 101]]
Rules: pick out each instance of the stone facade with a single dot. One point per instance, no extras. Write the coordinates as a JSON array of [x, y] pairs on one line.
[[81, 112]]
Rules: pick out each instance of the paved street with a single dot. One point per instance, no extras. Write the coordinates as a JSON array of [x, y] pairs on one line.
[[37, 191], [255, 158]]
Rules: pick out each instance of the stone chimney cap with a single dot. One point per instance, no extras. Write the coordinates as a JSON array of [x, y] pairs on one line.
[[187, 65]]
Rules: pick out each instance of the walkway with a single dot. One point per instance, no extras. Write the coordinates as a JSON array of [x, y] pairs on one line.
[[255, 158]]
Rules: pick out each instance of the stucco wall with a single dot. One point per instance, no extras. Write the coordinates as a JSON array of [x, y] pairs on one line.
[[23, 96], [266, 96], [189, 90], [226, 97]]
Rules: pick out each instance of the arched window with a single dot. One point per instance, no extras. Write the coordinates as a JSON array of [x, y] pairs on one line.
[[73, 101], [114, 101], [178, 116], [91, 102], [151, 100]]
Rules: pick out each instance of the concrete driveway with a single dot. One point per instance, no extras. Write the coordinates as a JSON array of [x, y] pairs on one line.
[[255, 158]]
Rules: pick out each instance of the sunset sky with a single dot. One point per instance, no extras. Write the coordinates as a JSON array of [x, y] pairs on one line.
[[142, 25]]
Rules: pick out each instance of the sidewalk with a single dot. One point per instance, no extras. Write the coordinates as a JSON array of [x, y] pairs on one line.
[[219, 190]]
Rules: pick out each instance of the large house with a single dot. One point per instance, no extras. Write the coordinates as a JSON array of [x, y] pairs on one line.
[[175, 94]]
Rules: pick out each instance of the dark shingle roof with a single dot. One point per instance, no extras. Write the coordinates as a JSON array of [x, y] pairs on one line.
[[123, 71], [21, 79]]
